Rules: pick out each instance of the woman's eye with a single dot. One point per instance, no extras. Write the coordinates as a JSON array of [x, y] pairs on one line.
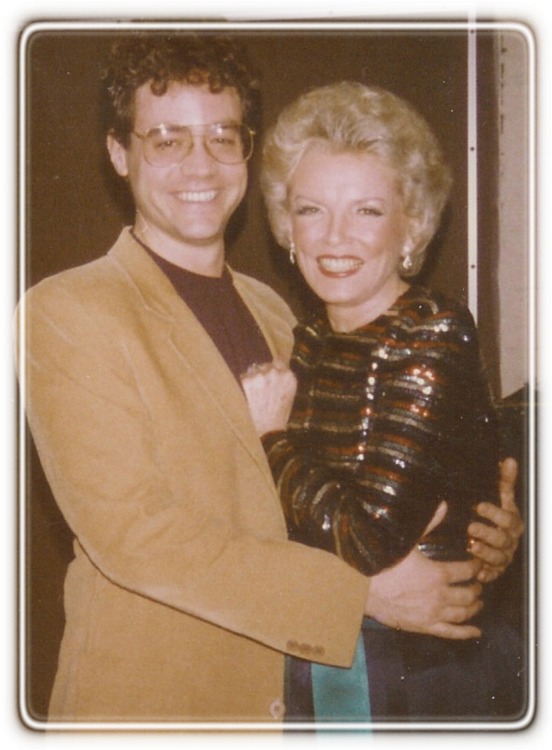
[[305, 210], [370, 211]]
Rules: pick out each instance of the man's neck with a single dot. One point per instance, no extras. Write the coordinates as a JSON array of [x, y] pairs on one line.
[[205, 260]]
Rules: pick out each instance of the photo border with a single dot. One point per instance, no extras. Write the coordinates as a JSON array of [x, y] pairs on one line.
[[265, 25]]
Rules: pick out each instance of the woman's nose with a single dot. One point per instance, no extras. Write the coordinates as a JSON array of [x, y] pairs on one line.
[[336, 228]]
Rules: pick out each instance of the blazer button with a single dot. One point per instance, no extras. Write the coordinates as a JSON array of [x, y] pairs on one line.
[[277, 708]]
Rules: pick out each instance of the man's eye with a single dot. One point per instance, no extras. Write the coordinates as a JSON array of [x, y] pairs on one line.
[[225, 140], [167, 145]]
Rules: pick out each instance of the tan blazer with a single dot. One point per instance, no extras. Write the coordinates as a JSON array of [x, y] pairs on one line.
[[184, 592]]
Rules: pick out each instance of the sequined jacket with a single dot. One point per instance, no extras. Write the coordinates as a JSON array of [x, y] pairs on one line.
[[388, 421]]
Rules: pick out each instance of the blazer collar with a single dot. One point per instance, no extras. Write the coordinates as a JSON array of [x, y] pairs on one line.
[[155, 289]]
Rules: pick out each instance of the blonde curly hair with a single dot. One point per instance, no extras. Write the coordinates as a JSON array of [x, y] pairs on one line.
[[349, 116]]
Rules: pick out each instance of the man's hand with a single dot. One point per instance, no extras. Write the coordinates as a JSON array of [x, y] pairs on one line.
[[420, 595], [496, 545]]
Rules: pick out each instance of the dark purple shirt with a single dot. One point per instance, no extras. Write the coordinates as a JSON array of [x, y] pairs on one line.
[[222, 312]]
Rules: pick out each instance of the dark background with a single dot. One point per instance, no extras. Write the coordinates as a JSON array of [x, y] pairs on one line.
[[76, 206]]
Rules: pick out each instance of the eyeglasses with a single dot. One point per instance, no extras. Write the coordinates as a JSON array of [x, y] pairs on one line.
[[227, 143]]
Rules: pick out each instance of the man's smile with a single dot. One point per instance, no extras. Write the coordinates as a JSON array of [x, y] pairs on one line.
[[197, 196]]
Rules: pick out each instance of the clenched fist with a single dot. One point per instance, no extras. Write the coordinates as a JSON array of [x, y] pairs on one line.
[[270, 390]]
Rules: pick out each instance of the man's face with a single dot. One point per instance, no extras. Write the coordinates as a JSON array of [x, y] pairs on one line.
[[183, 209]]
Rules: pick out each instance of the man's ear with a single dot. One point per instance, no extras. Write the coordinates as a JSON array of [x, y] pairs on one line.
[[118, 155]]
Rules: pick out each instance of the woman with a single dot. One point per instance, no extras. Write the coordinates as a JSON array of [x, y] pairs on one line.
[[393, 413]]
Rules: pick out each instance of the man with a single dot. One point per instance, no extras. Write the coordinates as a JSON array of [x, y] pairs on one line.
[[184, 594]]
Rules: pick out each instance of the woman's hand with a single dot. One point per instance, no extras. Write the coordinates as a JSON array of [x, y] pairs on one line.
[[496, 545], [270, 390]]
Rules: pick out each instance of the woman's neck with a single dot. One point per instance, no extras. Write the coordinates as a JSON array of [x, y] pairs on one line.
[[345, 318]]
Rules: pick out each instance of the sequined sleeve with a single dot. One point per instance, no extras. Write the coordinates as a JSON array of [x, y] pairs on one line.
[[386, 423]]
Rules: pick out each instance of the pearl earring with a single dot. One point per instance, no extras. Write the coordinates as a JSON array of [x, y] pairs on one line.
[[406, 262], [292, 253]]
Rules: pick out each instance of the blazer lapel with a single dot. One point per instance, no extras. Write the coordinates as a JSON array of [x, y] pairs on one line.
[[200, 357]]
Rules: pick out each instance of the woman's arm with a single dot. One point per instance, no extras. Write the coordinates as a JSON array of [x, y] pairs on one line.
[[375, 518]]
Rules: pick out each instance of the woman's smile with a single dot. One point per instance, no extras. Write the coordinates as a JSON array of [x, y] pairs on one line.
[[339, 266]]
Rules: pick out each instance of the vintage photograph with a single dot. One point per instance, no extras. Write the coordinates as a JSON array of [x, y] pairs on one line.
[[275, 356]]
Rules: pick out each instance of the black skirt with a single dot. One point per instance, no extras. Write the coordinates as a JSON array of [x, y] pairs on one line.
[[419, 678]]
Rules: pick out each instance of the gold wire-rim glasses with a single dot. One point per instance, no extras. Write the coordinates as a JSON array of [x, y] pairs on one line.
[[227, 142]]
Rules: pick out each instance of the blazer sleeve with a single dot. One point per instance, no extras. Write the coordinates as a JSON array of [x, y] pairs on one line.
[[94, 436], [420, 449]]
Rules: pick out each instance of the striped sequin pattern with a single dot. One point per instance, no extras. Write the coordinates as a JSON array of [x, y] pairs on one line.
[[388, 420]]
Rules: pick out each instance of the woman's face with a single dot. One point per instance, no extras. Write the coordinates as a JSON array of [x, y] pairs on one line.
[[349, 229]]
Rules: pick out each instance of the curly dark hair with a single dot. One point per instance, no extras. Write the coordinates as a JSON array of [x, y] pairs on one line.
[[214, 60]]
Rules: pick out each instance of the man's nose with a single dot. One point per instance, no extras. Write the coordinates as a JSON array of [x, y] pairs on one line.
[[198, 159]]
